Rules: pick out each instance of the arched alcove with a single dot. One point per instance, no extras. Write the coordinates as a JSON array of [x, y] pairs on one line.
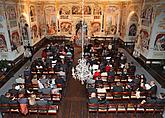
[[132, 27]]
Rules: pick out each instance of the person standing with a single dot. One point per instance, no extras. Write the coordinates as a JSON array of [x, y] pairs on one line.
[[27, 54], [30, 49]]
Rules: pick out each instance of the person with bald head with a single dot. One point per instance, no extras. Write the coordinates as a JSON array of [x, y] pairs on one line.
[[93, 99]]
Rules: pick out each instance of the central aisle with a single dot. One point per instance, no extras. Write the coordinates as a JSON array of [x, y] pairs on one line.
[[74, 103]]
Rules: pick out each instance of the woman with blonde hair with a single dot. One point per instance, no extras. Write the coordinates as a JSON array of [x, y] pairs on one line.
[[32, 99]]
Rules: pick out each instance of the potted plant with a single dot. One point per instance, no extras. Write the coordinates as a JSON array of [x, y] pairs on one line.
[[4, 65]]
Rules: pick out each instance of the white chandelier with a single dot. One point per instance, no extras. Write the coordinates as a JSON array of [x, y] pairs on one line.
[[81, 71]]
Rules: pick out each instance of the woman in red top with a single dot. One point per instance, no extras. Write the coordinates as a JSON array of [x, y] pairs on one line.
[[44, 54], [107, 68], [96, 74]]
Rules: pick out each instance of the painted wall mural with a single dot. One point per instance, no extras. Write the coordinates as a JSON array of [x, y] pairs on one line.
[[34, 31], [1, 17], [108, 24], [113, 29], [15, 40], [23, 8], [97, 10], [87, 10], [24, 29], [50, 20], [159, 44], [143, 40], [32, 13], [11, 16], [66, 27], [3, 46], [96, 27], [132, 30], [146, 16], [77, 10], [64, 10], [1, 14], [41, 13], [112, 9]]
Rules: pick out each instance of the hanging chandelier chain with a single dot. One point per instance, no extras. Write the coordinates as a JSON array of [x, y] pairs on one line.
[[82, 70]]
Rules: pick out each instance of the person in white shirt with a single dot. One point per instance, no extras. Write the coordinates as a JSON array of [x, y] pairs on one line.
[[62, 74], [20, 80], [55, 90], [40, 85]]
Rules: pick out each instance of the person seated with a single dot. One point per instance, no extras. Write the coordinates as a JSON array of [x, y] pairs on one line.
[[55, 90], [59, 81], [128, 88], [98, 82], [159, 100], [34, 80], [27, 72], [132, 68], [136, 82], [41, 102], [20, 80], [23, 102], [46, 89], [123, 59], [108, 67], [40, 85], [62, 74], [118, 87], [124, 72], [13, 91], [28, 80], [93, 99], [96, 74], [32, 99], [43, 79], [44, 54], [153, 90], [111, 73], [102, 66], [103, 100], [53, 80], [142, 76], [142, 85], [5, 99], [57, 66]]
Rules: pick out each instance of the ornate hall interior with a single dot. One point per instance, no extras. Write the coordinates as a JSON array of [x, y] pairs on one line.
[[83, 49]]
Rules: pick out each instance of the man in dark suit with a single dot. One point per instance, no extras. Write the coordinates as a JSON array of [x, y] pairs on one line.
[[132, 68], [118, 87]]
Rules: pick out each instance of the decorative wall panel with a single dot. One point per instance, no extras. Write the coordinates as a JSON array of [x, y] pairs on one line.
[[3, 46]]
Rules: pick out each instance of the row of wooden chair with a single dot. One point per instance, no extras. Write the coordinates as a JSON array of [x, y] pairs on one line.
[[35, 109], [123, 96], [117, 78], [126, 108]]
